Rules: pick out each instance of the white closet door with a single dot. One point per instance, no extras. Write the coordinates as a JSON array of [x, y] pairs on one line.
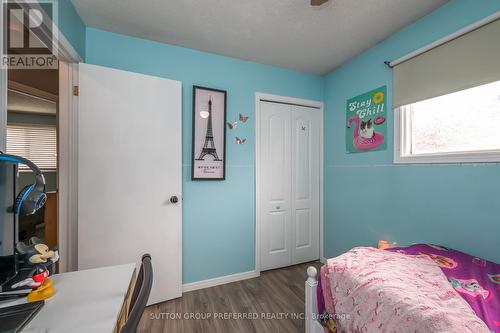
[[275, 212], [289, 197], [129, 166], [305, 183]]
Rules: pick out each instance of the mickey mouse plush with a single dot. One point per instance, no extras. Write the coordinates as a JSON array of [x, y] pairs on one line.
[[40, 258]]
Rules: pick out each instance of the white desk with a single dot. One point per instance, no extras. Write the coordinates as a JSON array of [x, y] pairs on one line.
[[85, 301]]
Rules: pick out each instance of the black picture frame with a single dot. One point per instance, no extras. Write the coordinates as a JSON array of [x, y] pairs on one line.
[[215, 148]]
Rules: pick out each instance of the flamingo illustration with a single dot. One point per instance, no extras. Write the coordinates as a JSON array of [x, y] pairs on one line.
[[361, 143]]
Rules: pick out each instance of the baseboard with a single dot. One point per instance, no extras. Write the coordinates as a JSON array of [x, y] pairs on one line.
[[322, 260], [219, 280]]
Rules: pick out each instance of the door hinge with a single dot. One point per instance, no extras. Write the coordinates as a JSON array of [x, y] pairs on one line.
[[76, 91]]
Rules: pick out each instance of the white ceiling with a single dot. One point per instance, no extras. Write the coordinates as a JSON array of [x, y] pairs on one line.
[[285, 33]]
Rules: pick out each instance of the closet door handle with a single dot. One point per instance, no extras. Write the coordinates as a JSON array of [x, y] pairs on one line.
[[174, 199]]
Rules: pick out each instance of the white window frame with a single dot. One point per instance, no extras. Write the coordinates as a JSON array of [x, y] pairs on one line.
[[402, 147]]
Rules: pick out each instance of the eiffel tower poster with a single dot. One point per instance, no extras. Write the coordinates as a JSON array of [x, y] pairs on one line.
[[209, 133]]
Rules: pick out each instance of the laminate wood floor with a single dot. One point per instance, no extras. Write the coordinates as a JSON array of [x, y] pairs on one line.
[[273, 302]]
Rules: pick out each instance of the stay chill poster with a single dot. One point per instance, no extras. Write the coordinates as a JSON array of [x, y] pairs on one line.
[[367, 122]]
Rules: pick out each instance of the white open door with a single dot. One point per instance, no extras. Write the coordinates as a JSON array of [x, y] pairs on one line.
[[129, 169]]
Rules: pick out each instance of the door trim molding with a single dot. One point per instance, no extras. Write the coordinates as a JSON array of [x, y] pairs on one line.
[[186, 287], [3, 94], [263, 97], [68, 167]]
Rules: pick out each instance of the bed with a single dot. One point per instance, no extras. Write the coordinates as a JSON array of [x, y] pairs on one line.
[[419, 288]]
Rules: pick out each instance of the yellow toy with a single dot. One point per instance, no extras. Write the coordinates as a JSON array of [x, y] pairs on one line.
[[43, 292]]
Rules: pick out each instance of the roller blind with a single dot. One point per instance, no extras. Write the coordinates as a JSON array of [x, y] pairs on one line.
[[465, 62], [38, 143]]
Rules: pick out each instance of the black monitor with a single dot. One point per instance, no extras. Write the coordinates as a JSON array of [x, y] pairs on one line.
[[8, 222]]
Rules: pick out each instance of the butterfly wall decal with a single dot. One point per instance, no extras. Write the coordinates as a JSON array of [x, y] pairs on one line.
[[240, 141], [232, 125], [243, 118]]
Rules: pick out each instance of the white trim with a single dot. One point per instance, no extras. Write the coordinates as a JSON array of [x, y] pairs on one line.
[[3, 92], [402, 147], [323, 260], [446, 39], [294, 101], [218, 281], [321, 181], [397, 136], [68, 167], [288, 100], [257, 183]]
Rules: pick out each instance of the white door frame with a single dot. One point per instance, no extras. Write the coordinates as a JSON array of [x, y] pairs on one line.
[[3, 93], [67, 176], [259, 97]]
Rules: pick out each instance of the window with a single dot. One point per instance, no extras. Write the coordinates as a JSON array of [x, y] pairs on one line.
[[456, 127], [447, 98], [38, 143]]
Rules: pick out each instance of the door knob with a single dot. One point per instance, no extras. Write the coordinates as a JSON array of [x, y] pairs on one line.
[[174, 199]]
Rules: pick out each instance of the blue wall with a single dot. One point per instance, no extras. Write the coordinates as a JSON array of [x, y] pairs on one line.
[[71, 25], [219, 216], [368, 198]]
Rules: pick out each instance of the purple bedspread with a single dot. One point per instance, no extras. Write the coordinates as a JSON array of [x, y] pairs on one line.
[[476, 280]]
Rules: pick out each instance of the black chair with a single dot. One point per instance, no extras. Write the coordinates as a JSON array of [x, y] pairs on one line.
[[140, 295]]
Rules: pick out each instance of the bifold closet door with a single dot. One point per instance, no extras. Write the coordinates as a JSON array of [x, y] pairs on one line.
[[305, 183], [129, 167], [289, 159], [275, 185]]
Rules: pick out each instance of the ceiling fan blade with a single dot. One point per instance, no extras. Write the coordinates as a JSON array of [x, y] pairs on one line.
[[318, 2]]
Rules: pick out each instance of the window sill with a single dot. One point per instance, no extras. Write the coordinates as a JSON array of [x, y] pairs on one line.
[[447, 158]]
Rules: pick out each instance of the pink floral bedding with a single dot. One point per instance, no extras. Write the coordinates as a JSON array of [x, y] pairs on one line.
[[371, 290]]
